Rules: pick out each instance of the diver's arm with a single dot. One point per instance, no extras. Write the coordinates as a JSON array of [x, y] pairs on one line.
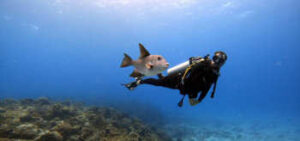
[[160, 76], [168, 81], [214, 89], [151, 81]]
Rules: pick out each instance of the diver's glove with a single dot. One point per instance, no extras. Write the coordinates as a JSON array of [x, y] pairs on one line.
[[131, 86]]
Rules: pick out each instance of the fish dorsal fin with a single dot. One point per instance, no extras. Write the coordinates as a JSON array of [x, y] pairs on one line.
[[135, 73], [143, 51]]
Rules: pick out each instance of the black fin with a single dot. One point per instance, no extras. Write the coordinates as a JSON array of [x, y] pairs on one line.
[[180, 103]]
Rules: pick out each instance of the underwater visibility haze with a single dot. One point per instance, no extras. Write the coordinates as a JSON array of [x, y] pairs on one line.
[[72, 50]]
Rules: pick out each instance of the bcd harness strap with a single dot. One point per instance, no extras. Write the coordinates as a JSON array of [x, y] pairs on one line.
[[193, 62]]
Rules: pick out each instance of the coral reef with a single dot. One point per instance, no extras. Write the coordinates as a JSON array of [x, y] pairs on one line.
[[46, 120]]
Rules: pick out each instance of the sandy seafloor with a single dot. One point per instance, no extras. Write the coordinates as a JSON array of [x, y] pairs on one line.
[[235, 130], [211, 126]]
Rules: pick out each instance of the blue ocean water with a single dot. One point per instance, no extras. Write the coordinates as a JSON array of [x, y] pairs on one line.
[[65, 49]]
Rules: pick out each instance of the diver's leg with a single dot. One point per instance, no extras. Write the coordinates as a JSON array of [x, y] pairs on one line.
[[202, 95], [193, 99]]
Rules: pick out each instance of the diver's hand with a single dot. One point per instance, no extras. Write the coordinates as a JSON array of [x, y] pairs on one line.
[[131, 86]]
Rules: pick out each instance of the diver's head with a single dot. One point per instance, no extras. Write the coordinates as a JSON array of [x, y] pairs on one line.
[[219, 58]]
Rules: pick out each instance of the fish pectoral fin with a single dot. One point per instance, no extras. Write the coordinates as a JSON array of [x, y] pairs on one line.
[[135, 73], [143, 51], [149, 66]]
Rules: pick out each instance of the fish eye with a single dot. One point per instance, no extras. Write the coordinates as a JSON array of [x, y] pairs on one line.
[[158, 58]]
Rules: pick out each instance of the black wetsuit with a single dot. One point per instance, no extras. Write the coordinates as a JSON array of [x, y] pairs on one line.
[[199, 79]]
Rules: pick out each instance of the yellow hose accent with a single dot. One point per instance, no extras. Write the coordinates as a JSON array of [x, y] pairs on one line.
[[186, 71], [189, 68]]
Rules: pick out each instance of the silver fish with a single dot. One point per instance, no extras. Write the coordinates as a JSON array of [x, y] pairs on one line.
[[146, 65]]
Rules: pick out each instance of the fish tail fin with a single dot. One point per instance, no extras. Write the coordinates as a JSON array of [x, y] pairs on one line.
[[127, 61]]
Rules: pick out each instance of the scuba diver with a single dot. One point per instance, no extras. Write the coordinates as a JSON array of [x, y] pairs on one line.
[[191, 77]]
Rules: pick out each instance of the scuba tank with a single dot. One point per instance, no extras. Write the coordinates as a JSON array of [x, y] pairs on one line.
[[178, 67], [185, 65]]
